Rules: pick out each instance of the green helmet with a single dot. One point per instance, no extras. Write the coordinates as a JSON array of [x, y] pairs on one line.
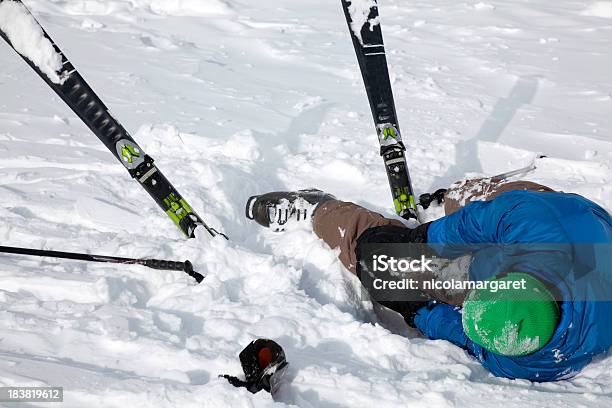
[[511, 322]]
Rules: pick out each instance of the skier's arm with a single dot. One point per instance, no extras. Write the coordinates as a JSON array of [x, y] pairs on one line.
[[443, 322], [439, 321]]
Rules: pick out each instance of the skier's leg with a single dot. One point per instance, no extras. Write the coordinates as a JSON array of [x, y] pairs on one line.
[[338, 223], [341, 223], [483, 189]]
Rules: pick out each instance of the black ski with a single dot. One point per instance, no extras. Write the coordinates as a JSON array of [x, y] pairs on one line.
[[370, 50], [79, 96]]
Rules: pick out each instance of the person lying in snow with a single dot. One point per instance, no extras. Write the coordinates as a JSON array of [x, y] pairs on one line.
[[554, 335]]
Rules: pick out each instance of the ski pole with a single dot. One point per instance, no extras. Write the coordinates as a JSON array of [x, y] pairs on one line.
[[163, 265]]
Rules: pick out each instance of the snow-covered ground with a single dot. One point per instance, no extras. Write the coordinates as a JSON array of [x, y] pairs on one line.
[[239, 97]]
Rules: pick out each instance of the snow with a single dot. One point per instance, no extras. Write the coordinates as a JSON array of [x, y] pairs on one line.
[[127, 8], [508, 341], [249, 97], [184, 7], [29, 40], [599, 9], [360, 16]]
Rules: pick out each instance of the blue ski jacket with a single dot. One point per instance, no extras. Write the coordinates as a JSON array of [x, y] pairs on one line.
[[578, 264]]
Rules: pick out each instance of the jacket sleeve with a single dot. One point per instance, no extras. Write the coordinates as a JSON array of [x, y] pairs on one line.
[[439, 321]]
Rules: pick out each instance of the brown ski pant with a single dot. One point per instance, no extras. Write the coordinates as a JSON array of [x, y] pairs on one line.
[[340, 223]]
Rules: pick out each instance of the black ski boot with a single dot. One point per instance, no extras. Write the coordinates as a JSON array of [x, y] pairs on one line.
[[273, 210]]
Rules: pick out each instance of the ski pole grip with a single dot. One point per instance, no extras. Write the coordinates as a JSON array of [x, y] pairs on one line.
[[186, 267], [164, 265]]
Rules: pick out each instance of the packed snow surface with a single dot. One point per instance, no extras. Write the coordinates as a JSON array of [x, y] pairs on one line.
[[600, 9], [235, 98], [28, 39]]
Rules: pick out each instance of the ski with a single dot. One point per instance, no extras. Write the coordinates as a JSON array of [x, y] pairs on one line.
[[20, 29], [364, 25], [518, 172], [426, 199]]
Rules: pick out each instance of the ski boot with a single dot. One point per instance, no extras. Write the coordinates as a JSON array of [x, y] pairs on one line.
[[273, 210]]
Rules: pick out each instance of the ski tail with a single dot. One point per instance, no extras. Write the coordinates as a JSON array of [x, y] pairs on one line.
[[426, 199], [366, 34], [519, 172], [70, 86]]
